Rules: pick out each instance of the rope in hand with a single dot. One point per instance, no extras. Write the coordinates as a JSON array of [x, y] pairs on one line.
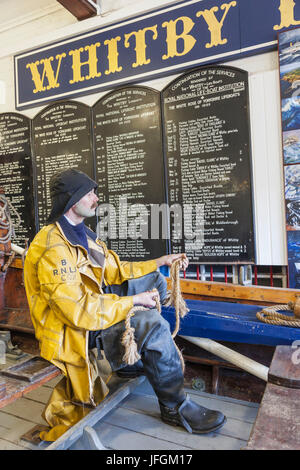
[[175, 299], [270, 315]]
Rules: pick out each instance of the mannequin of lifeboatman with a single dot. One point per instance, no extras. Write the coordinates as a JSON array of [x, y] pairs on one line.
[[79, 294]]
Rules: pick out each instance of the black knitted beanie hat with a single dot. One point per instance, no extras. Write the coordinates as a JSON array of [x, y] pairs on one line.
[[66, 188]]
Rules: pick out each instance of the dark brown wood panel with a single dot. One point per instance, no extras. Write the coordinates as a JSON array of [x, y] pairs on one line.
[[285, 370], [17, 388], [82, 9], [277, 425]]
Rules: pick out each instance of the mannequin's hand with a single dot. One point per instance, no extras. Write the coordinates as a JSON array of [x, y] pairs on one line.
[[147, 299], [167, 260]]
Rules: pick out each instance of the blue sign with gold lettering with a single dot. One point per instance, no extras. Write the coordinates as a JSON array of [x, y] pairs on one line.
[[165, 41]]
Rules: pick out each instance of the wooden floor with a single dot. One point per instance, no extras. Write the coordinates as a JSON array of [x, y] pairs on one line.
[[135, 424]]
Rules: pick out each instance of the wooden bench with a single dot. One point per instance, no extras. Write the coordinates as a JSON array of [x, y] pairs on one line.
[[25, 376], [277, 425]]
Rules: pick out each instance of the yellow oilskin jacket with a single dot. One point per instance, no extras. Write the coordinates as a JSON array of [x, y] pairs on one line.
[[63, 286]]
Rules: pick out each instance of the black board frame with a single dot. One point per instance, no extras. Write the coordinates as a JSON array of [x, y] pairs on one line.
[[252, 259], [160, 131], [91, 221], [92, 146]]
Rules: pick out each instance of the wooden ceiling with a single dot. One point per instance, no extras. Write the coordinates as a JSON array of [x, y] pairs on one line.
[[82, 9]]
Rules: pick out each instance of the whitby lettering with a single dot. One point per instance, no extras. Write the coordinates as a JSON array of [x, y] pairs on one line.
[[192, 33], [141, 40]]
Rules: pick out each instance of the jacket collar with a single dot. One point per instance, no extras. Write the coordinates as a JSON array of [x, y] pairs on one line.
[[71, 235]]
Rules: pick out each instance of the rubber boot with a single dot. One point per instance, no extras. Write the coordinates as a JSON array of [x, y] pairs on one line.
[[163, 369], [130, 372], [193, 417]]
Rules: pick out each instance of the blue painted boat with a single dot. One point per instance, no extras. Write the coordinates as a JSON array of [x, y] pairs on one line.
[[232, 322]]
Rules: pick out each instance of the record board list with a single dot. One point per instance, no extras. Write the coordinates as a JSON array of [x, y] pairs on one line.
[[16, 178], [208, 165], [62, 139], [130, 170]]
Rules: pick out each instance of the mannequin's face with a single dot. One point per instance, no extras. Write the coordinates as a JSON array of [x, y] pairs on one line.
[[87, 205]]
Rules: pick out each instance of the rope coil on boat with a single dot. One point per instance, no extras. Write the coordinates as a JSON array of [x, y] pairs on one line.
[[272, 316]]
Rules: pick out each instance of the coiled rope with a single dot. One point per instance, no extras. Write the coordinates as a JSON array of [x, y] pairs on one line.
[[175, 299], [270, 315], [5, 219], [7, 228]]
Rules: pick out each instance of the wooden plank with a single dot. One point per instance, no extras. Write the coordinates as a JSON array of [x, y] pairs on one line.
[[26, 409], [231, 410], [274, 178], [237, 428], [231, 401], [150, 431], [13, 427], [17, 263], [31, 370], [14, 434], [155, 428], [10, 421], [116, 438], [146, 389], [2, 388], [284, 370], [8, 362], [32, 436], [232, 291], [15, 389], [73, 434], [40, 394], [16, 320], [6, 445], [260, 167], [277, 426], [51, 383]]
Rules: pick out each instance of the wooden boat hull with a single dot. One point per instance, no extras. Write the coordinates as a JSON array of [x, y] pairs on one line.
[[232, 323]]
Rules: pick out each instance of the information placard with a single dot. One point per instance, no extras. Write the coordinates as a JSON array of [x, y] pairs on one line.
[[16, 174], [207, 149], [130, 172], [62, 139]]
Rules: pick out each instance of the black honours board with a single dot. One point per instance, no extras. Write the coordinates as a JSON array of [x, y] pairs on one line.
[[130, 172], [62, 139], [173, 168], [207, 150], [16, 178]]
